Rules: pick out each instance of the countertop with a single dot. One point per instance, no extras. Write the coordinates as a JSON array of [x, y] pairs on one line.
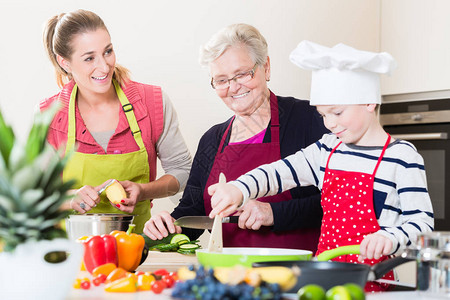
[[172, 262], [97, 293]]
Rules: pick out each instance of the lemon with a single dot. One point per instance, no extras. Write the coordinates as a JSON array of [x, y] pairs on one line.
[[356, 291], [338, 292], [311, 292]]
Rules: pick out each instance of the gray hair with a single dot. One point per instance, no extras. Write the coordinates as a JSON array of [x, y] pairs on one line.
[[232, 35]]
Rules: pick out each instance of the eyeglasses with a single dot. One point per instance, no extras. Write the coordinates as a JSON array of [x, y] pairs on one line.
[[240, 78]]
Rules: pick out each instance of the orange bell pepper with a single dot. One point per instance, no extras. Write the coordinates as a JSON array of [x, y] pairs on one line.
[[105, 269], [123, 285], [129, 248], [116, 274]]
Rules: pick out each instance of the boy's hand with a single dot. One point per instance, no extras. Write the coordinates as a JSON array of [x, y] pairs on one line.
[[373, 246], [225, 199]]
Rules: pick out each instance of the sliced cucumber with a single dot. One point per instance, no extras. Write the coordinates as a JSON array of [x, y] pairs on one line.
[[189, 247], [183, 242], [168, 247], [179, 237], [151, 243], [190, 252]]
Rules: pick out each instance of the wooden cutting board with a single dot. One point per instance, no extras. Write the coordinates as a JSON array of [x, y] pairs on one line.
[[171, 261]]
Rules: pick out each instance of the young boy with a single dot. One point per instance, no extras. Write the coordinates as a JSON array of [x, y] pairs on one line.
[[374, 190]]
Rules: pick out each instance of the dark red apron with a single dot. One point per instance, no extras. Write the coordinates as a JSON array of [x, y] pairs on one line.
[[348, 213], [236, 160]]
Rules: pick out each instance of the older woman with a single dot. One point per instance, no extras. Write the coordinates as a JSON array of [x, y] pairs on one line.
[[264, 128]]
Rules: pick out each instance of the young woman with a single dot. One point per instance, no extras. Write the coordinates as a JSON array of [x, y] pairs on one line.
[[116, 126]]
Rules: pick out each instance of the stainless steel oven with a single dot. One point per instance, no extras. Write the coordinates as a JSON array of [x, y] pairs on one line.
[[425, 122]]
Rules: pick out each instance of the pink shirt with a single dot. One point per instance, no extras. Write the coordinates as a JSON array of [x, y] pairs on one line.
[[256, 139]]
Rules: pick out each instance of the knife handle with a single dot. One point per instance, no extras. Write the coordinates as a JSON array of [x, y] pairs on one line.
[[231, 219]]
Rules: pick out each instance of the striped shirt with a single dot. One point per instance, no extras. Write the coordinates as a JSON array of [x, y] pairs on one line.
[[401, 201]]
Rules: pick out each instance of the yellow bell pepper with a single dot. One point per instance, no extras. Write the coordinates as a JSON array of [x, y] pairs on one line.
[[144, 282], [129, 248], [77, 283], [122, 285], [82, 240]]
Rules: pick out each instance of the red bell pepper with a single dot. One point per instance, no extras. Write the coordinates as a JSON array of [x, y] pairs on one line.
[[100, 250]]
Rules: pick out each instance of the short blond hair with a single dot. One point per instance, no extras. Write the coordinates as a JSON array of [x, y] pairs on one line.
[[233, 35]]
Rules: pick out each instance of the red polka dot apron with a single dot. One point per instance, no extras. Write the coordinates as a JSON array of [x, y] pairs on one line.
[[236, 160], [348, 213]]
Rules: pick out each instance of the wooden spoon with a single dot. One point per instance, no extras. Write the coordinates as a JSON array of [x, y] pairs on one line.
[[215, 240]]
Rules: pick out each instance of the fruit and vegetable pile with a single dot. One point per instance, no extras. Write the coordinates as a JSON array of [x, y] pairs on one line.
[[112, 258], [349, 291], [236, 282], [118, 280]]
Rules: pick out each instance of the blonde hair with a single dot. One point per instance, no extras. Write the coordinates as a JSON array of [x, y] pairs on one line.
[[233, 35], [59, 32]]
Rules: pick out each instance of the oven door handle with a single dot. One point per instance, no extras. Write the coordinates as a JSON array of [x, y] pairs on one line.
[[421, 136]]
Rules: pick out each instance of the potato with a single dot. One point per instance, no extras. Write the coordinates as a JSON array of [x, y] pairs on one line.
[[115, 192]]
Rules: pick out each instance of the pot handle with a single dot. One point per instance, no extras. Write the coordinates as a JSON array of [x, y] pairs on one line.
[[378, 270], [344, 250]]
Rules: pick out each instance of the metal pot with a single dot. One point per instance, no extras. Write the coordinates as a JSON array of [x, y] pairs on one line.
[[432, 254], [96, 224]]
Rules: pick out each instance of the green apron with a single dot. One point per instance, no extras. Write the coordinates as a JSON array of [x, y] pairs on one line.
[[94, 169]]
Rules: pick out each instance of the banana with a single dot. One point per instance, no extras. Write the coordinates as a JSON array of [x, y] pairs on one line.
[[285, 277], [185, 274]]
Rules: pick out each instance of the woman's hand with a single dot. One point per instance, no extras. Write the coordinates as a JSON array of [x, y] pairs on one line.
[[85, 198], [255, 214], [225, 199], [156, 227], [134, 192], [373, 246]]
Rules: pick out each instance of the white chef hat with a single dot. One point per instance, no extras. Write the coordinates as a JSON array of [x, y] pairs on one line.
[[342, 74]]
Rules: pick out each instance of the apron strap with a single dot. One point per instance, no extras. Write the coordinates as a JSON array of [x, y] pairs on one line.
[[274, 119], [71, 123], [224, 136], [126, 106], [382, 154], [379, 159], [332, 151], [128, 110]]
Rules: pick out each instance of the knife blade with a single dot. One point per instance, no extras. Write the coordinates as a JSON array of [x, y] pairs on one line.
[[202, 222], [107, 184]]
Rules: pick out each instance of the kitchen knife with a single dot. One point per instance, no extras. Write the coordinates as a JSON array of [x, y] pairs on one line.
[[202, 222], [107, 184]]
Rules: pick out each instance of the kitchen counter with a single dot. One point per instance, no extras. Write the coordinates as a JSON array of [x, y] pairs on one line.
[[172, 261], [97, 293]]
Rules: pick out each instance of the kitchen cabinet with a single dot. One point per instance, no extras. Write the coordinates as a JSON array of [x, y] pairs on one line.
[[417, 34]]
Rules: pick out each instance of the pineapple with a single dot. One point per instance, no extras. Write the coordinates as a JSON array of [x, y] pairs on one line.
[[31, 186]]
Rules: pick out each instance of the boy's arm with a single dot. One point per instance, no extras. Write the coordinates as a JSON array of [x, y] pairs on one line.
[[416, 211], [299, 169]]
